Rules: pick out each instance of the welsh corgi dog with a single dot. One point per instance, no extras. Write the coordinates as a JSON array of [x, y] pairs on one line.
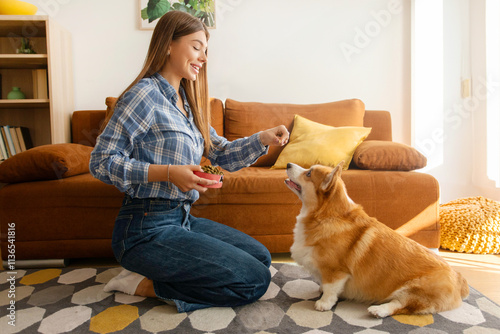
[[356, 257]]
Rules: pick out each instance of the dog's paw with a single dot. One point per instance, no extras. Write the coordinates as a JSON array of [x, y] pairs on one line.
[[322, 305], [380, 311]]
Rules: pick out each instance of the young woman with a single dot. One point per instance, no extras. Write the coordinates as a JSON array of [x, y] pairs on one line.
[[149, 149]]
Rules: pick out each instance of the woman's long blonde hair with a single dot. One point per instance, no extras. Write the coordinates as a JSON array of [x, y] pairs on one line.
[[171, 26]]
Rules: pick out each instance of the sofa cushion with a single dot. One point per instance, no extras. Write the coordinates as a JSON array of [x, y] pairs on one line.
[[47, 162], [86, 125], [386, 155], [252, 185], [242, 119], [313, 143], [110, 105]]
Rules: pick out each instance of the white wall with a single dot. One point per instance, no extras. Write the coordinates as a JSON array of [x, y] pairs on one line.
[[261, 50], [108, 48]]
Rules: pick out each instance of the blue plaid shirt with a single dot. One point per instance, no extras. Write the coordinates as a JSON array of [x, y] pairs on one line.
[[148, 128]]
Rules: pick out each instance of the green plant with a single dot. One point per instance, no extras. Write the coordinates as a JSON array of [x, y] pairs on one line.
[[26, 47], [202, 9]]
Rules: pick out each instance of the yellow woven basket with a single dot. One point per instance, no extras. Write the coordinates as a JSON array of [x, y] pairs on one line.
[[471, 225]]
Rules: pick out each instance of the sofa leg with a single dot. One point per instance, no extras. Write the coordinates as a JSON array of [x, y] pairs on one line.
[[42, 263]]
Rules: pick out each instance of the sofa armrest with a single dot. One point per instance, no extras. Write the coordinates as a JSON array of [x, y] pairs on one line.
[[387, 155]]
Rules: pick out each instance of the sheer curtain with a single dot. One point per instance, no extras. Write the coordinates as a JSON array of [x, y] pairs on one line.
[[493, 78], [427, 79], [456, 94]]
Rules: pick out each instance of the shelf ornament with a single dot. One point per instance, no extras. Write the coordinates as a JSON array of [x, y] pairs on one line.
[[16, 94], [26, 47]]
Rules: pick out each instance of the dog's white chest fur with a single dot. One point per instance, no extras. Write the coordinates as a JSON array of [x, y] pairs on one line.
[[301, 253]]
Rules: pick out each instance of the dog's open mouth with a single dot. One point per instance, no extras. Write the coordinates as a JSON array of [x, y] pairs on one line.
[[293, 185]]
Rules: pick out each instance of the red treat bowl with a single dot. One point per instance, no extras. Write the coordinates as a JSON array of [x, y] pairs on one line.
[[215, 177]]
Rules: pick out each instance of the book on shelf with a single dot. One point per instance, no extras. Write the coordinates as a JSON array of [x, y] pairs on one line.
[[8, 140], [3, 148], [14, 139], [40, 84]]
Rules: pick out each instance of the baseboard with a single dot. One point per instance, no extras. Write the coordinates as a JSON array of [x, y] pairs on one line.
[[43, 263]]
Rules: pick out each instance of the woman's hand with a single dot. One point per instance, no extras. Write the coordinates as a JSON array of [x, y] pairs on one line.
[[184, 178], [277, 136], [180, 175]]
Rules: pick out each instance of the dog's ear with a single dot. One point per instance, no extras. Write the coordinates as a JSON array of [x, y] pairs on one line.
[[332, 176]]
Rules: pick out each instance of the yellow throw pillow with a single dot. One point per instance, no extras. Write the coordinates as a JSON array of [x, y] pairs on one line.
[[313, 143]]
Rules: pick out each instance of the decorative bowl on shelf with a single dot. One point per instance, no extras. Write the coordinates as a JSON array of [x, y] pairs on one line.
[[16, 7]]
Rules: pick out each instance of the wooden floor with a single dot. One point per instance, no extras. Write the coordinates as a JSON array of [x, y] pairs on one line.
[[481, 271]]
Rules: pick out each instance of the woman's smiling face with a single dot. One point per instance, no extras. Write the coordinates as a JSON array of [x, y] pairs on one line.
[[187, 56]]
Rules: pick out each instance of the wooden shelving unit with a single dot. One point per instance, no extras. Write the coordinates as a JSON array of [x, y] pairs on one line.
[[48, 119], [21, 61], [27, 103]]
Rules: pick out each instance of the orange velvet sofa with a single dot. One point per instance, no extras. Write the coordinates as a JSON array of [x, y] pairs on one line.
[[60, 211]]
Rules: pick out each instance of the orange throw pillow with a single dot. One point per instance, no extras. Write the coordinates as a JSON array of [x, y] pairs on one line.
[[47, 162]]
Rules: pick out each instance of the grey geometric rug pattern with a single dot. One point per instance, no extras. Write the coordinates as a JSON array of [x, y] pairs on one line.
[[72, 300]]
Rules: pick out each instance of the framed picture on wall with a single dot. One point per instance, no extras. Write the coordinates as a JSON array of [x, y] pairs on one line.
[[152, 10]]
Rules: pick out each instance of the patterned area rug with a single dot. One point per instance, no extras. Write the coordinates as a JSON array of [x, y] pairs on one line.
[[73, 301]]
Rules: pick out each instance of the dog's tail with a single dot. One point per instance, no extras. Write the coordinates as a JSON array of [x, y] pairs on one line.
[[464, 286]]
